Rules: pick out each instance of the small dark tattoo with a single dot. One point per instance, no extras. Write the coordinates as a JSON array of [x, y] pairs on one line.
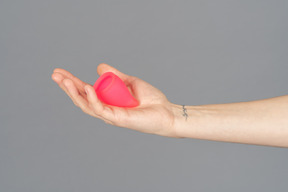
[[184, 112]]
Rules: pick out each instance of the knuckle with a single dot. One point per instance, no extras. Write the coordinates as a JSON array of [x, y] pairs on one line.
[[118, 119], [109, 122], [75, 103], [96, 110], [85, 110]]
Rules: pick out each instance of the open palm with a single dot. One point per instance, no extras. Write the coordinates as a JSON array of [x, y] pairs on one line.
[[153, 115]]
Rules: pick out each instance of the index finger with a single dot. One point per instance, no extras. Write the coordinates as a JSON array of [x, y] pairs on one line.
[[69, 75]]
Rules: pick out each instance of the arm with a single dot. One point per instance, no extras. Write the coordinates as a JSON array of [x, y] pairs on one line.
[[262, 122]]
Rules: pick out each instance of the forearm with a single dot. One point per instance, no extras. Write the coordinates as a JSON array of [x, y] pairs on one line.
[[262, 122]]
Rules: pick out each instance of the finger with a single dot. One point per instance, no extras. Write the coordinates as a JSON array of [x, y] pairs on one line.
[[63, 76], [78, 83], [103, 68], [97, 106], [58, 78], [76, 97]]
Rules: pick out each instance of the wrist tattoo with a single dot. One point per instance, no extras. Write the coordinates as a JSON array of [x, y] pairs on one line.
[[184, 112]]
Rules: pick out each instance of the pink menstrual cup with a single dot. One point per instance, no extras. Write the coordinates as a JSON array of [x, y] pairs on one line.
[[111, 90]]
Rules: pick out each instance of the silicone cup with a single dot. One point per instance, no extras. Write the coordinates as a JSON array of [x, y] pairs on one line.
[[111, 90]]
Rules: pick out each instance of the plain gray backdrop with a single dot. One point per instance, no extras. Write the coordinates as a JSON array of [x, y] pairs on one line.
[[196, 52]]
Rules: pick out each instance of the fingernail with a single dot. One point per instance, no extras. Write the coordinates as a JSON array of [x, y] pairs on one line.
[[86, 89]]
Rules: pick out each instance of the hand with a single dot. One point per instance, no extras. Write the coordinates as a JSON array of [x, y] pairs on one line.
[[155, 114]]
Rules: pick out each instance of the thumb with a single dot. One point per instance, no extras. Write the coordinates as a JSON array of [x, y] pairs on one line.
[[103, 68]]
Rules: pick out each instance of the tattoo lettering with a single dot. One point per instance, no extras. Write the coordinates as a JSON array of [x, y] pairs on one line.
[[184, 112]]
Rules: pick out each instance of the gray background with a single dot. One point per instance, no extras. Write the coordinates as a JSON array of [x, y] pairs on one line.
[[196, 52]]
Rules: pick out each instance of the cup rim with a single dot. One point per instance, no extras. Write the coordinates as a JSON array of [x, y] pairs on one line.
[[102, 77]]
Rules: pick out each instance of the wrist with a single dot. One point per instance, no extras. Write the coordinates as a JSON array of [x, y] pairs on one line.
[[184, 120]]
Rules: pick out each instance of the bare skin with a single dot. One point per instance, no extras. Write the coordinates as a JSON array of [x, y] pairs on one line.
[[262, 122], [146, 117]]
